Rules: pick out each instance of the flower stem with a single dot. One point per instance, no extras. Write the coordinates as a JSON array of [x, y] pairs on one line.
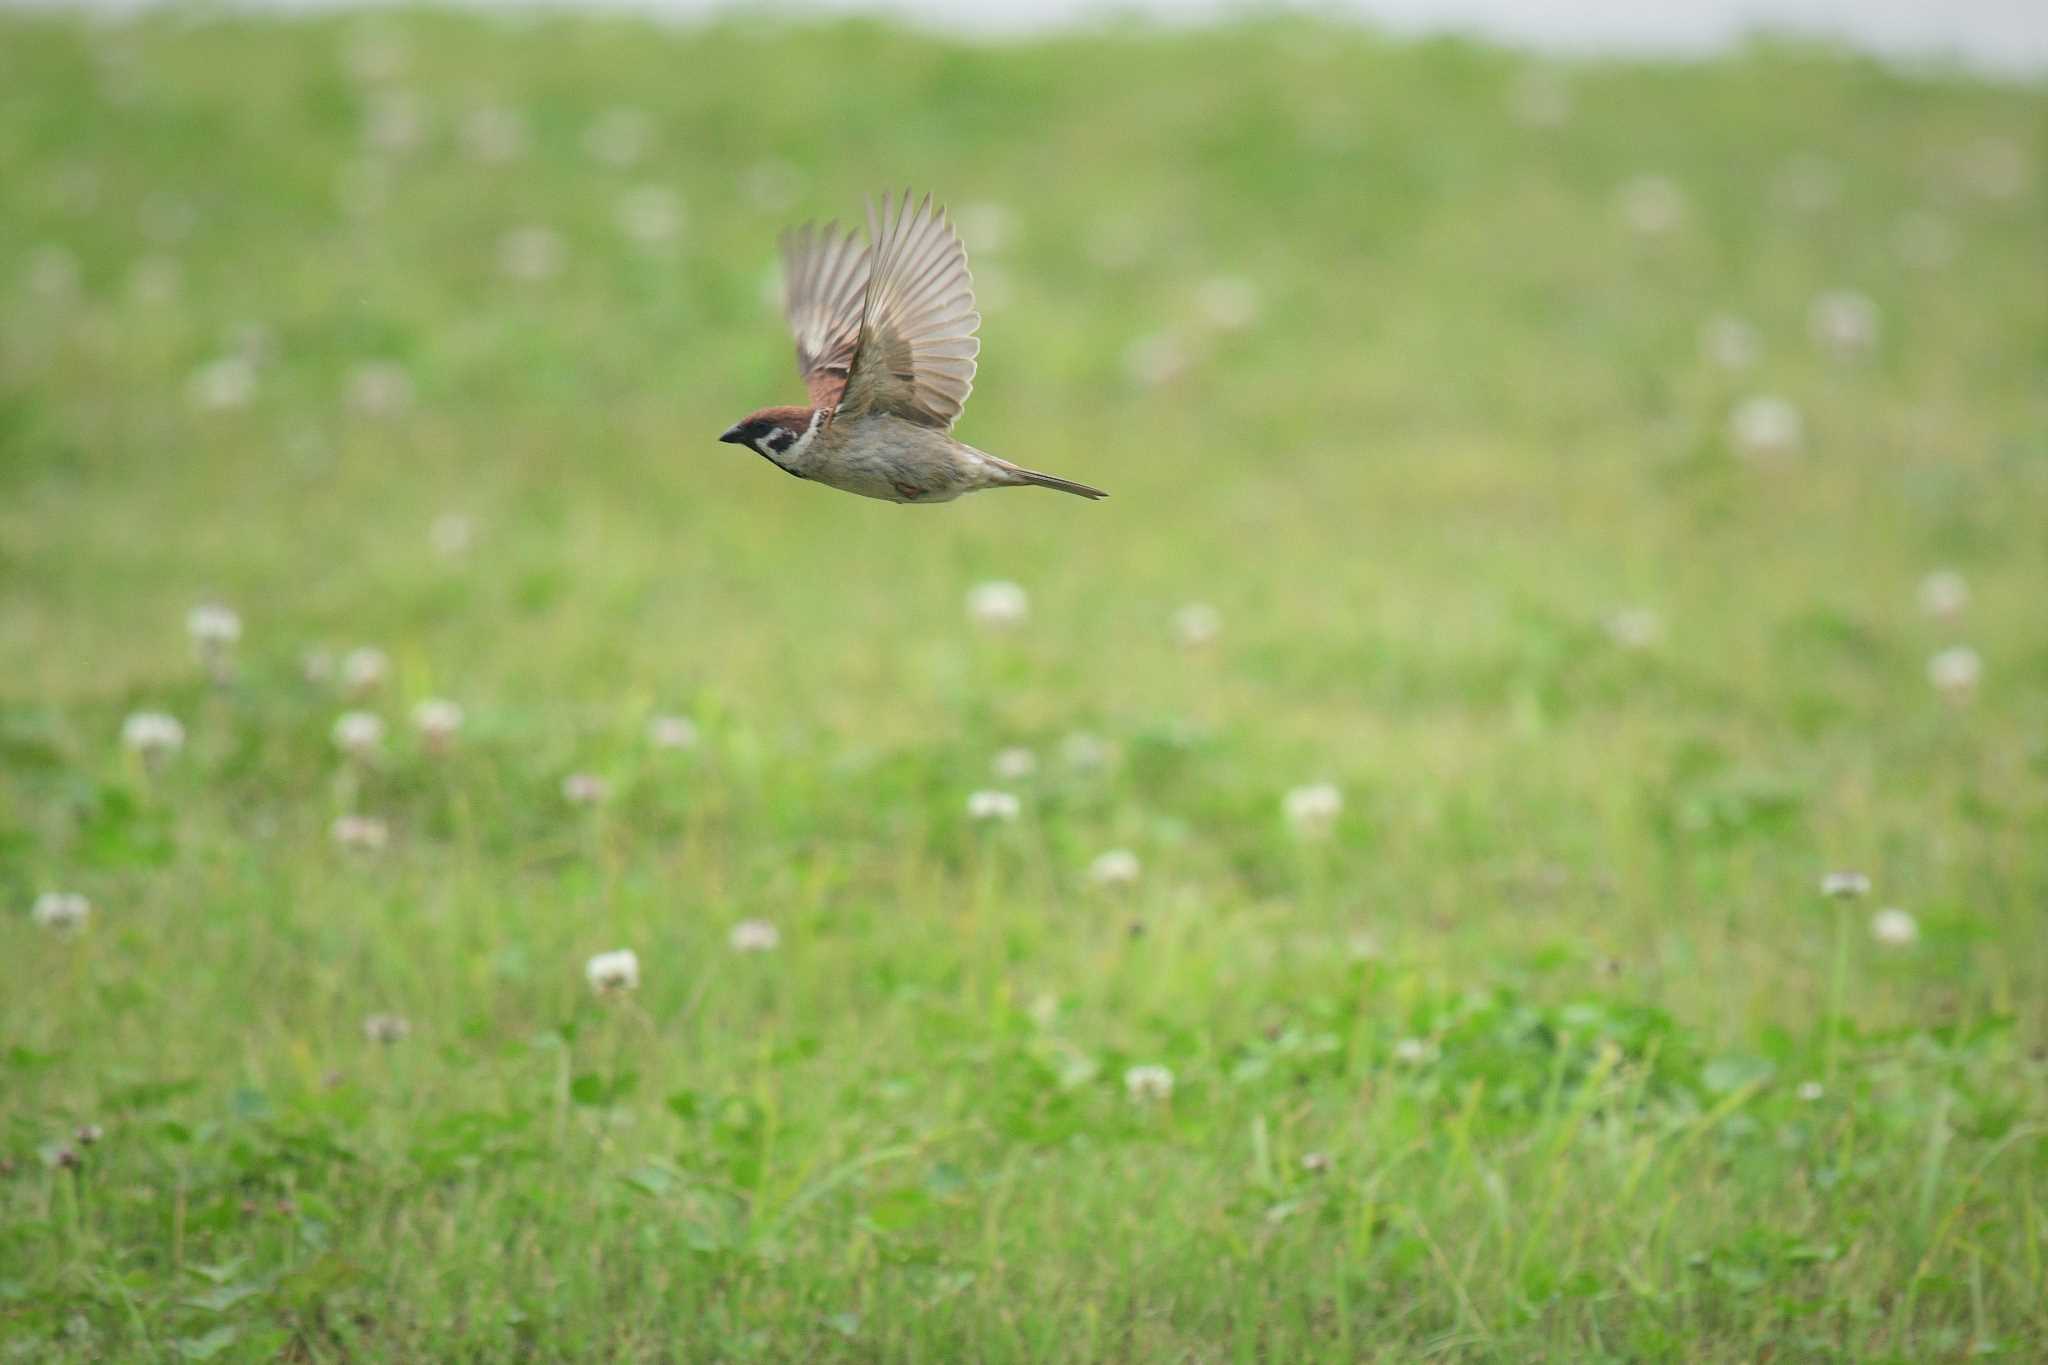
[[1836, 985]]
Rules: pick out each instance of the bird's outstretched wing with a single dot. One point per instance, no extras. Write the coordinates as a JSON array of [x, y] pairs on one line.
[[825, 281], [915, 357]]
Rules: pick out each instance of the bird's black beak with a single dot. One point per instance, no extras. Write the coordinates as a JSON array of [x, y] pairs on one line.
[[734, 436]]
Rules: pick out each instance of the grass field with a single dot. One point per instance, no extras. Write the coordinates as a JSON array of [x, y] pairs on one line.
[[416, 333]]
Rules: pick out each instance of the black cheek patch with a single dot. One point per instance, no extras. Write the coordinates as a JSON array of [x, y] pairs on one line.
[[781, 441]]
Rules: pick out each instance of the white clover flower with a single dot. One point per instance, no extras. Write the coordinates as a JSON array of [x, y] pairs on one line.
[[223, 384], [66, 911], [1766, 428], [1315, 1163], [358, 734], [1229, 303], [1014, 764], [1197, 624], [376, 54], [772, 184], [1413, 1051], [439, 721], [121, 77], [650, 214], [585, 789], [1808, 183], [316, 665], [1117, 243], [1844, 321], [1539, 98], [360, 833], [379, 388], [1085, 752], [755, 936], [214, 628], [387, 1029], [1924, 241], [364, 670], [1634, 627], [994, 287], [1996, 168], [1117, 867], [1944, 594], [768, 288], [52, 273], [987, 227], [1652, 205], [613, 973], [152, 735], [154, 281], [619, 137], [1149, 1084], [530, 254], [672, 732], [1955, 672], [1809, 1091], [451, 534], [394, 122], [1894, 928], [494, 134], [998, 605], [1845, 886], [1155, 360], [1729, 342], [1313, 810], [993, 805]]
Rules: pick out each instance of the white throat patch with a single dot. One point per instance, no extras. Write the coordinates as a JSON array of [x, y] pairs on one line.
[[778, 446]]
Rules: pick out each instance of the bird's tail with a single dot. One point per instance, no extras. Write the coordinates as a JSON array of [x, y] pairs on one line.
[[1020, 475]]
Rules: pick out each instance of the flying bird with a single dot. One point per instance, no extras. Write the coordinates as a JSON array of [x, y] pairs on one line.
[[885, 343]]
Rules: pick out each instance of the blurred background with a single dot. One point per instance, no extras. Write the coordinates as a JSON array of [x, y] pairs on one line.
[[1578, 477], [1995, 33]]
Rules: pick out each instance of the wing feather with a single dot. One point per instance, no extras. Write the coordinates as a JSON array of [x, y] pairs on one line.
[[917, 348], [825, 282]]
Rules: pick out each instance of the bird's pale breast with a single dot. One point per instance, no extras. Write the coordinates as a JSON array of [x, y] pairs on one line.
[[885, 457]]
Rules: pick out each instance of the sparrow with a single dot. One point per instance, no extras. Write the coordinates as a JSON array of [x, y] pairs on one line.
[[885, 344]]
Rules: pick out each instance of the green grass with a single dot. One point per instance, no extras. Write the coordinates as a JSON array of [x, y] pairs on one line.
[[1546, 998]]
